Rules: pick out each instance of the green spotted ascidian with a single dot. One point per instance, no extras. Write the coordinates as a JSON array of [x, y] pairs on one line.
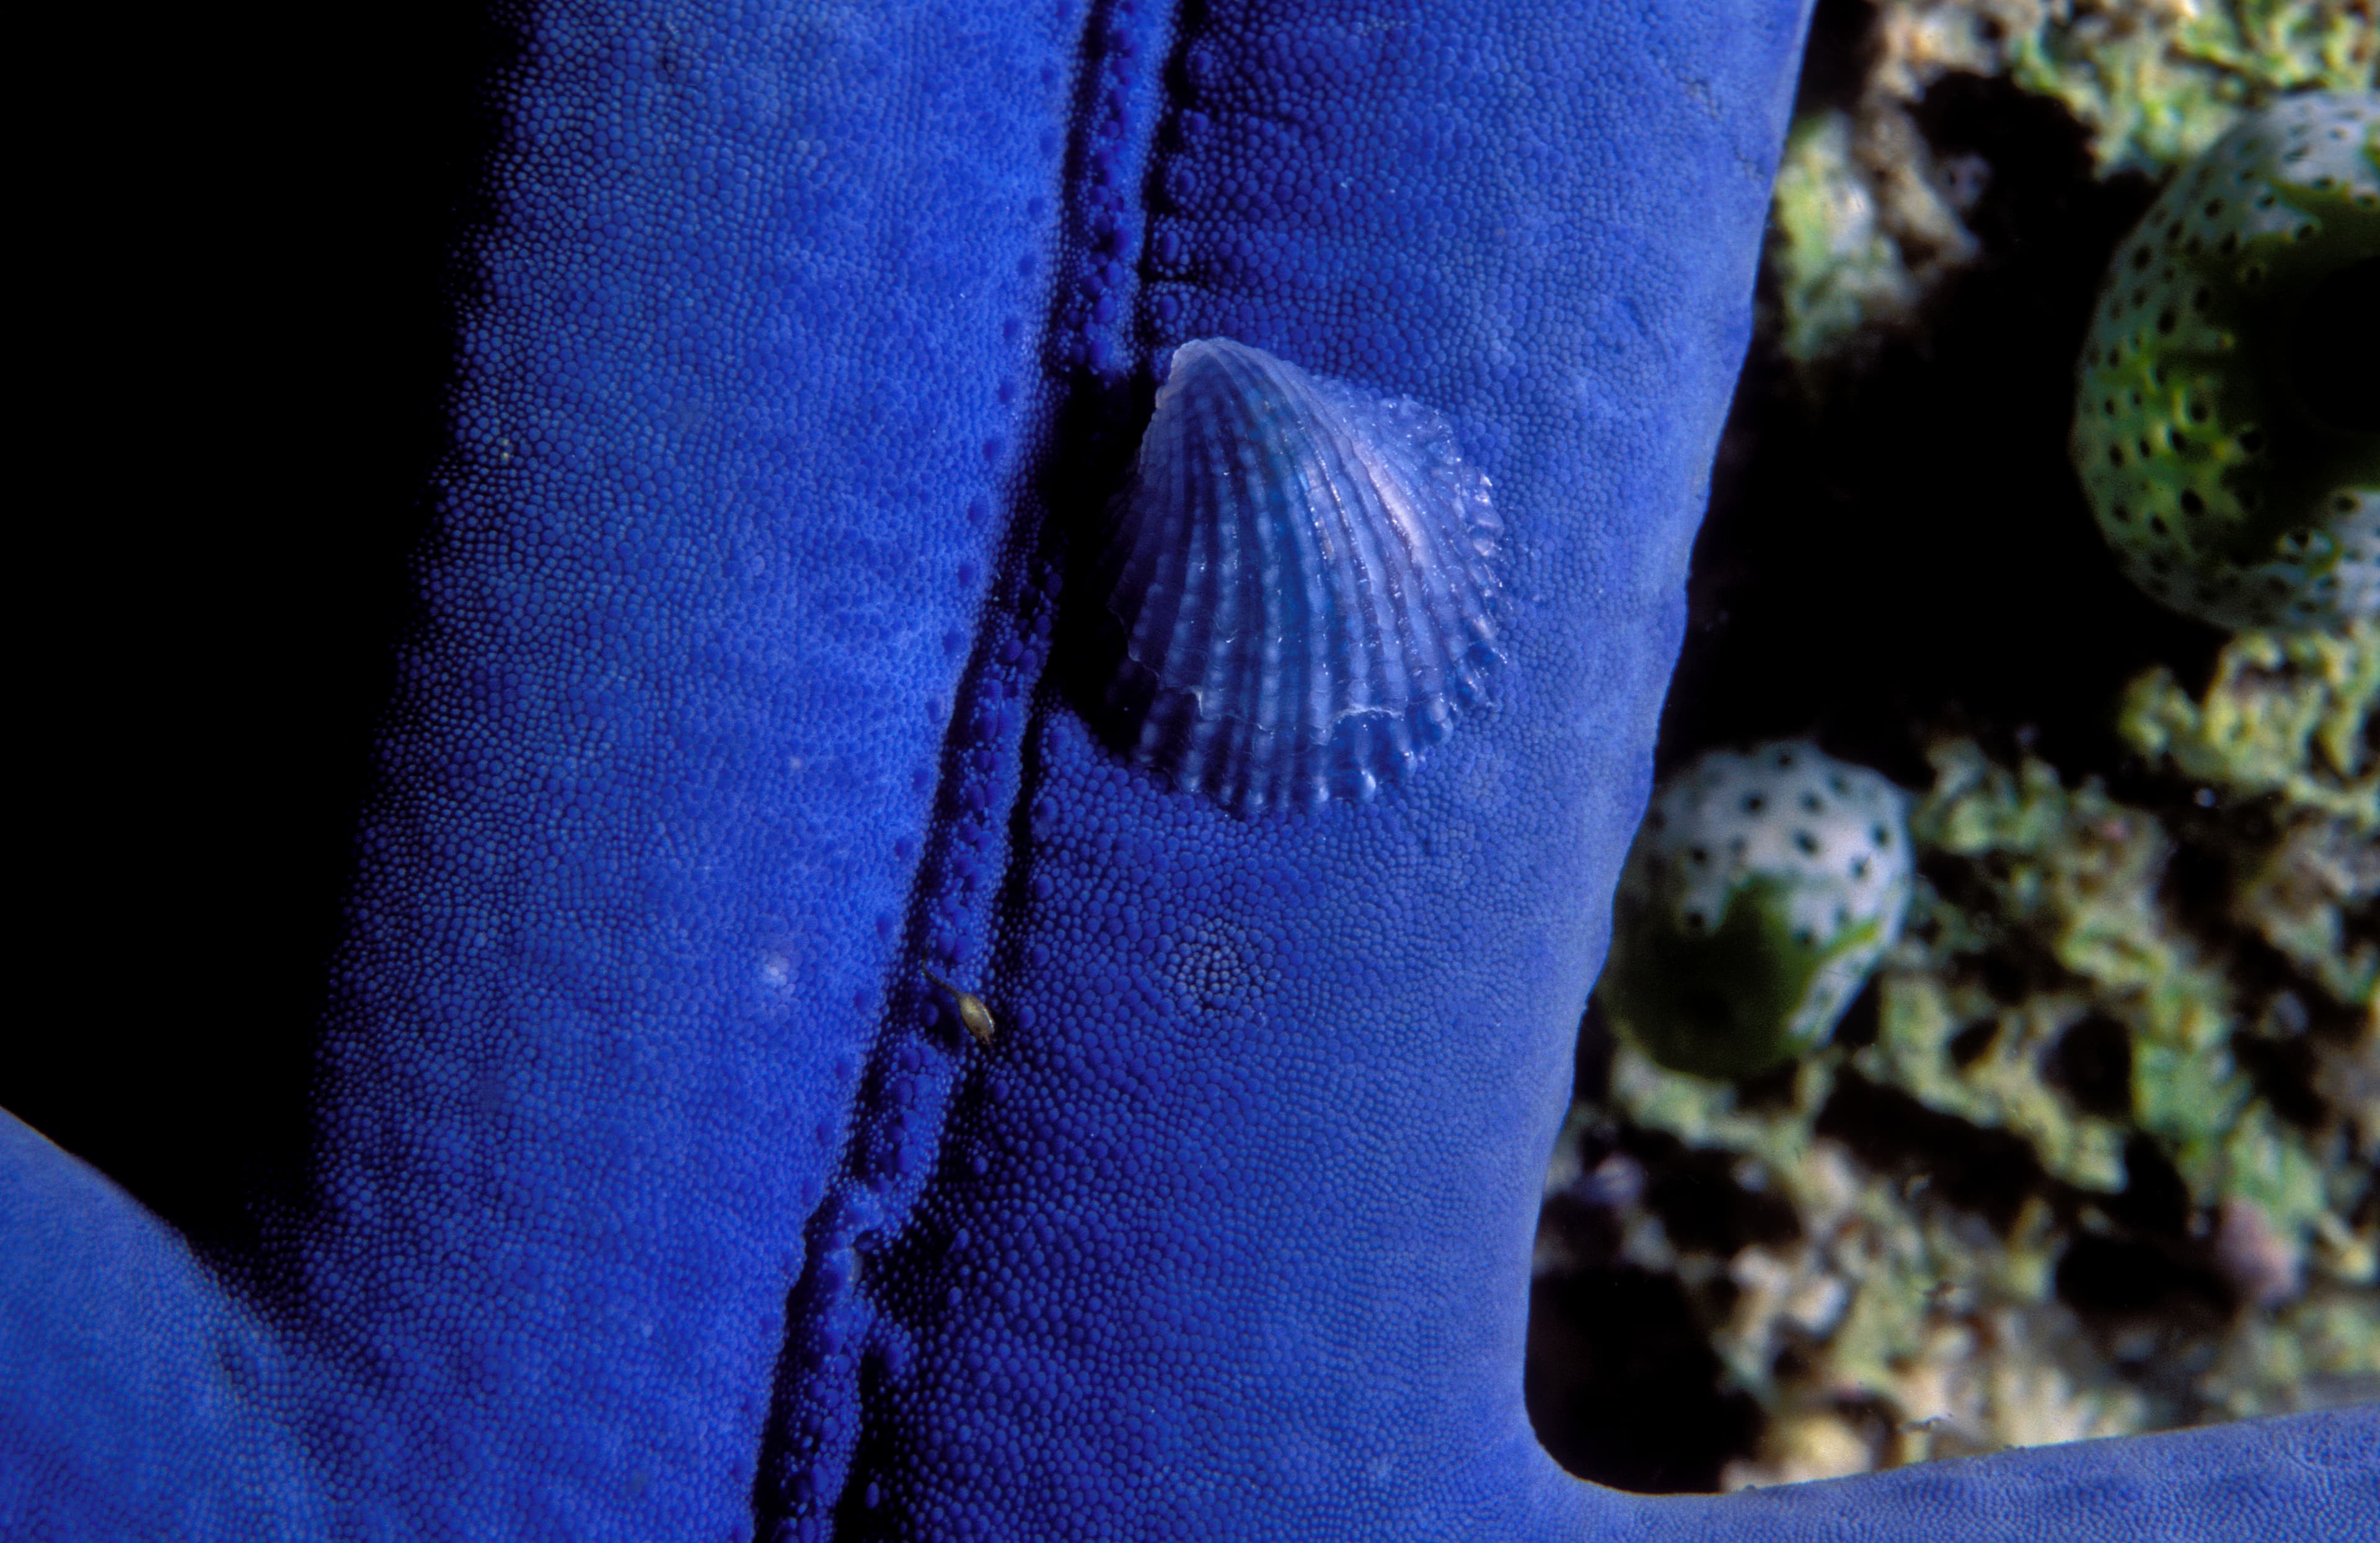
[[1762, 889], [2226, 424]]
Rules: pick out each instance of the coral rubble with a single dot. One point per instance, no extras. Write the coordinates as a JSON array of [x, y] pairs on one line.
[[2095, 1152]]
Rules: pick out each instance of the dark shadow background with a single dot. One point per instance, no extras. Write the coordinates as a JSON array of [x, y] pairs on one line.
[[234, 224]]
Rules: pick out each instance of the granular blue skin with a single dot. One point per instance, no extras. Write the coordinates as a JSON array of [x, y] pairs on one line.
[[655, 1193]]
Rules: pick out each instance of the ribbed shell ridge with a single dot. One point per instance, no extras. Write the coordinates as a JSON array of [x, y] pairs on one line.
[[1304, 578]]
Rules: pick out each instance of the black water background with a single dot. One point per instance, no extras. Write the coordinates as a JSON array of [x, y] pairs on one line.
[[232, 328]]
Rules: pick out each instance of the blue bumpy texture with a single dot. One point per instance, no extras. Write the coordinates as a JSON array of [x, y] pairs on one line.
[[655, 1194]]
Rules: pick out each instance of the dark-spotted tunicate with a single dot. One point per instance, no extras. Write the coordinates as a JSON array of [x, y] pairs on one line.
[[1761, 889], [2227, 422]]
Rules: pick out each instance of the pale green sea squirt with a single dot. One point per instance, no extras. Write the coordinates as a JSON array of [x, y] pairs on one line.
[[1762, 889]]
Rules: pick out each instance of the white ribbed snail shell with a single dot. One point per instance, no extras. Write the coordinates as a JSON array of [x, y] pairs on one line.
[[1303, 574]]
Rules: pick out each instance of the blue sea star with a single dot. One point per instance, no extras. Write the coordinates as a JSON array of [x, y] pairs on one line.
[[656, 1193]]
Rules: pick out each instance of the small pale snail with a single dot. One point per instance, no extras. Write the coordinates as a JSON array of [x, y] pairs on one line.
[[972, 1013]]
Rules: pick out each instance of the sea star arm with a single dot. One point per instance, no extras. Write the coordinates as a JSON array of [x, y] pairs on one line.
[[655, 1194], [2313, 1477]]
